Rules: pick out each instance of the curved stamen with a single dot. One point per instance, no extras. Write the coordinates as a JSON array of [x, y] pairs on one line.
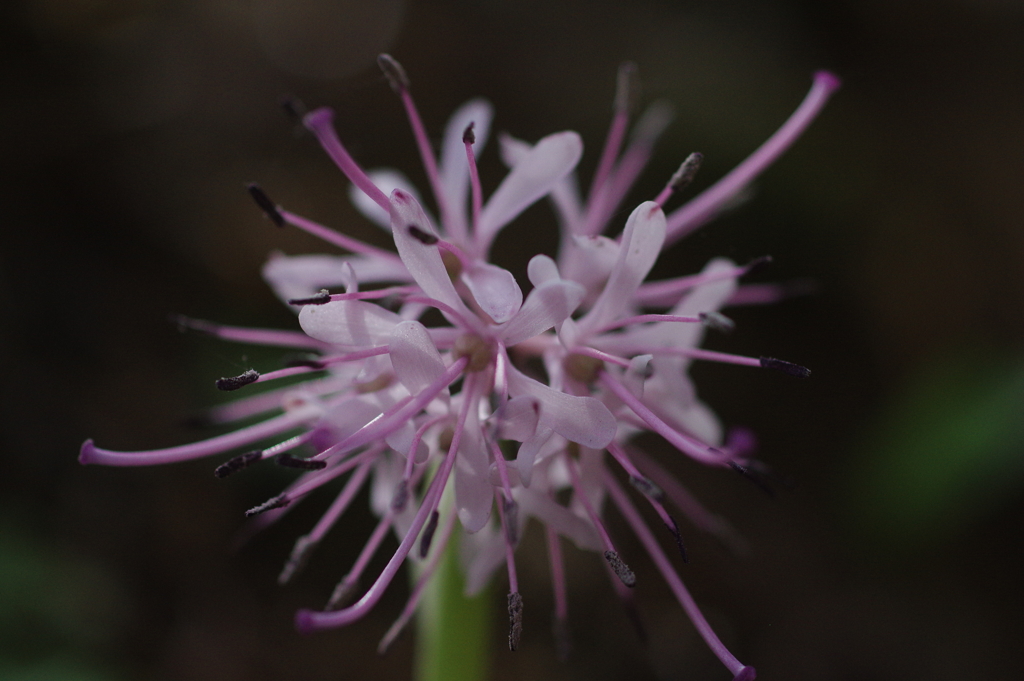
[[559, 591], [320, 123], [400, 84], [643, 532], [476, 191], [620, 569], [426, 574], [272, 337], [644, 318], [90, 453], [688, 445], [681, 178], [708, 203], [306, 543], [308, 620]]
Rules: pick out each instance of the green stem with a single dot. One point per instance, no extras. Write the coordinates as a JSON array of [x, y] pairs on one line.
[[453, 631]]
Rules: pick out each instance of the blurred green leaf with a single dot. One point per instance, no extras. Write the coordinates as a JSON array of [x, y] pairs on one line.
[[946, 452]]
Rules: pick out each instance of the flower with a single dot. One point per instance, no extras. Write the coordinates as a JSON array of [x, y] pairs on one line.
[[409, 408]]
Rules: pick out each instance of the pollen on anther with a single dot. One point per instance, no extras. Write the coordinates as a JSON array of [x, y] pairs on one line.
[[619, 567], [321, 298], [421, 236], [280, 501], [289, 461], [394, 72], [785, 367], [265, 204], [428, 534], [468, 136], [238, 463], [240, 381], [515, 620]]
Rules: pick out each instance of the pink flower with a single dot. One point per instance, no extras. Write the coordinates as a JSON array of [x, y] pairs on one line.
[[419, 407]]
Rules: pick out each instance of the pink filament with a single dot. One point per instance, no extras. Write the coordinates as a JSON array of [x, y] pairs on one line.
[[706, 205], [643, 532]]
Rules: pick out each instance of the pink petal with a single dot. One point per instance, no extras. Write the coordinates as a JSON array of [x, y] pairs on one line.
[[494, 289], [416, 361], [641, 243], [517, 419], [547, 305], [560, 519], [540, 269], [351, 323], [532, 177], [578, 419], [422, 260], [527, 455], [300, 276]]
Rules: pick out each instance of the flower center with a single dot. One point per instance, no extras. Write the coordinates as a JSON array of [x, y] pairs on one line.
[[582, 368], [479, 351]]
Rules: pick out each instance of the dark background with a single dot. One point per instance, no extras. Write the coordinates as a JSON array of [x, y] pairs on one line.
[[129, 128]]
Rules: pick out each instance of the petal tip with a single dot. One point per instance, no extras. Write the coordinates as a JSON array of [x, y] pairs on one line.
[[319, 117]]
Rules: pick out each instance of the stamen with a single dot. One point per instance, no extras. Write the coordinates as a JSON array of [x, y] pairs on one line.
[[280, 501], [289, 461], [350, 581], [652, 493], [268, 207], [469, 139], [681, 178], [621, 570], [336, 238], [644, 318], [684, 443], [273, 337], [394, 72], [710, 202], [428, 534], [320, 122], [632, 516], [515, 620], [785, 367], [305, 544], [625, 97], [753, 477], [558, 586], [294, 108], [240, 381], [321, 298], [238, 463], [511, 511], [717, 321], [426, 574], [400, 84], [297, 560]]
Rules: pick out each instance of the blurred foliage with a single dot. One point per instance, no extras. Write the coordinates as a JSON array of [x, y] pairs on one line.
[[947, 451]]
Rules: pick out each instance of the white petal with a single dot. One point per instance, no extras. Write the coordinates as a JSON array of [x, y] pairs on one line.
[[513, 150], [578, 419], [400, 440], [560, 519], [528, 454], [639, 371], [494, 289], [532, 177], [416, 361], [517, 419], [547, 305], [641, 243], [590, 260], [540, 269], [423, 261], [481, 554], [300, 276], [454, 167], [473, 496], [351, 323], [388, 180]]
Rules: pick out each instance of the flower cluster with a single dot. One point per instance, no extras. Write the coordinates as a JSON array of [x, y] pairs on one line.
[[515, 407]]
